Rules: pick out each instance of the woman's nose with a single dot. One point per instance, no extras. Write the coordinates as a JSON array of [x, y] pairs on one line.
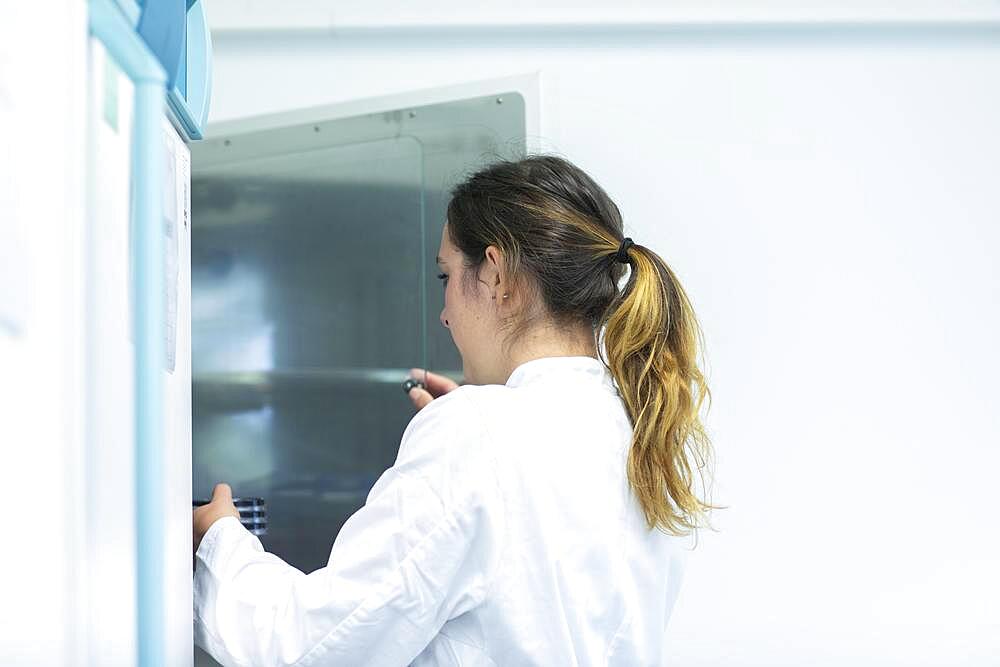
[[444, 321]]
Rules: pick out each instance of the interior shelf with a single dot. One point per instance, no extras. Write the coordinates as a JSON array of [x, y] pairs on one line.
[[248, 390]]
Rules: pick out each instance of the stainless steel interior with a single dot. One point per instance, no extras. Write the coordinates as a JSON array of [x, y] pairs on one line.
[[314, 291]]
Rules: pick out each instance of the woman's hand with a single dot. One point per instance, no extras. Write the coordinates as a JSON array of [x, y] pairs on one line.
[[437, 385], [220, 506]]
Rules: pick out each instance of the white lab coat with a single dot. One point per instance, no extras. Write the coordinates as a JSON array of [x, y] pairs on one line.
[[505, 534]]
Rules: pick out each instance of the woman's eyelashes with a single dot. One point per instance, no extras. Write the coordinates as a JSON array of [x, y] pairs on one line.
[[443, 277]]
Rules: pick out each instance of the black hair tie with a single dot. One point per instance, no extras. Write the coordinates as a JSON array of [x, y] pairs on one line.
[[622, 255]]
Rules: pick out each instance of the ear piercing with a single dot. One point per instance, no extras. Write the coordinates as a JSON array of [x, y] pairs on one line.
[[495, 298]]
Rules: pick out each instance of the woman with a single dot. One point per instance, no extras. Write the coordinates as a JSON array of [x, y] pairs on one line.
[[533, 516]]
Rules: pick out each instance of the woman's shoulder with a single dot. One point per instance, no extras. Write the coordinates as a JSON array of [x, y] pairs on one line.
[[467, 405], [456, 424], [450, 446]]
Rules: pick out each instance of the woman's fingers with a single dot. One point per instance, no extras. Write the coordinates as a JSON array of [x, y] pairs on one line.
[[437, 385], [222, 493], [420, 397], [434, 386], [221, 506]]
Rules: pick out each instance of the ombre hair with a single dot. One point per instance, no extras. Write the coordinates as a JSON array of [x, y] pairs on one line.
[[560, 234]]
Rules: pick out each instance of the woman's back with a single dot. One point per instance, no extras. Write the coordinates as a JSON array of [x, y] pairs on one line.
[[579, 579], [529, 517]]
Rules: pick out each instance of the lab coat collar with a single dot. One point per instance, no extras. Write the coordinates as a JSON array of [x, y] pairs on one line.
[[579, 369]]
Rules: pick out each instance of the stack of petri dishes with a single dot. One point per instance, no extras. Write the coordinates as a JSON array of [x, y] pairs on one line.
[[253, 513]]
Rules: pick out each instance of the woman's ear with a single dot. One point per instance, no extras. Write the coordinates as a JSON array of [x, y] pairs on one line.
[[494, 270]]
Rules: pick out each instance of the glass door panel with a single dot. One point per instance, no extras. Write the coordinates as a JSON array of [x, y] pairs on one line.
[[314, 292], [306, 314]]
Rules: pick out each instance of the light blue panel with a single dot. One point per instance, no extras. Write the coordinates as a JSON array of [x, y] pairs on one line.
[[190, 98], [163, 26], [109, 25], [150, 334], [131, 10], [199, 64]]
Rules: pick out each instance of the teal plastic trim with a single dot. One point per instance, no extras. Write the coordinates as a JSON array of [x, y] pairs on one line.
[[131, 10], [199, 64], [112, 28], [179, 110], [190, 99]]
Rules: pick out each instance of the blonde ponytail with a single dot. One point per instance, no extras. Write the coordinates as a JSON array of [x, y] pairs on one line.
[[652, 339]]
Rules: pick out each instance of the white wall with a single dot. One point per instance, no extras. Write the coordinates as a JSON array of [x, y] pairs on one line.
[[828, 194]]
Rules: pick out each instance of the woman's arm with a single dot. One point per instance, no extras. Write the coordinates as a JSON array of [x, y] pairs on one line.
[[421, 551]]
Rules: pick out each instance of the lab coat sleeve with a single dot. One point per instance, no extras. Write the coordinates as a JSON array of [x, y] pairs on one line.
[[421, 551]]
